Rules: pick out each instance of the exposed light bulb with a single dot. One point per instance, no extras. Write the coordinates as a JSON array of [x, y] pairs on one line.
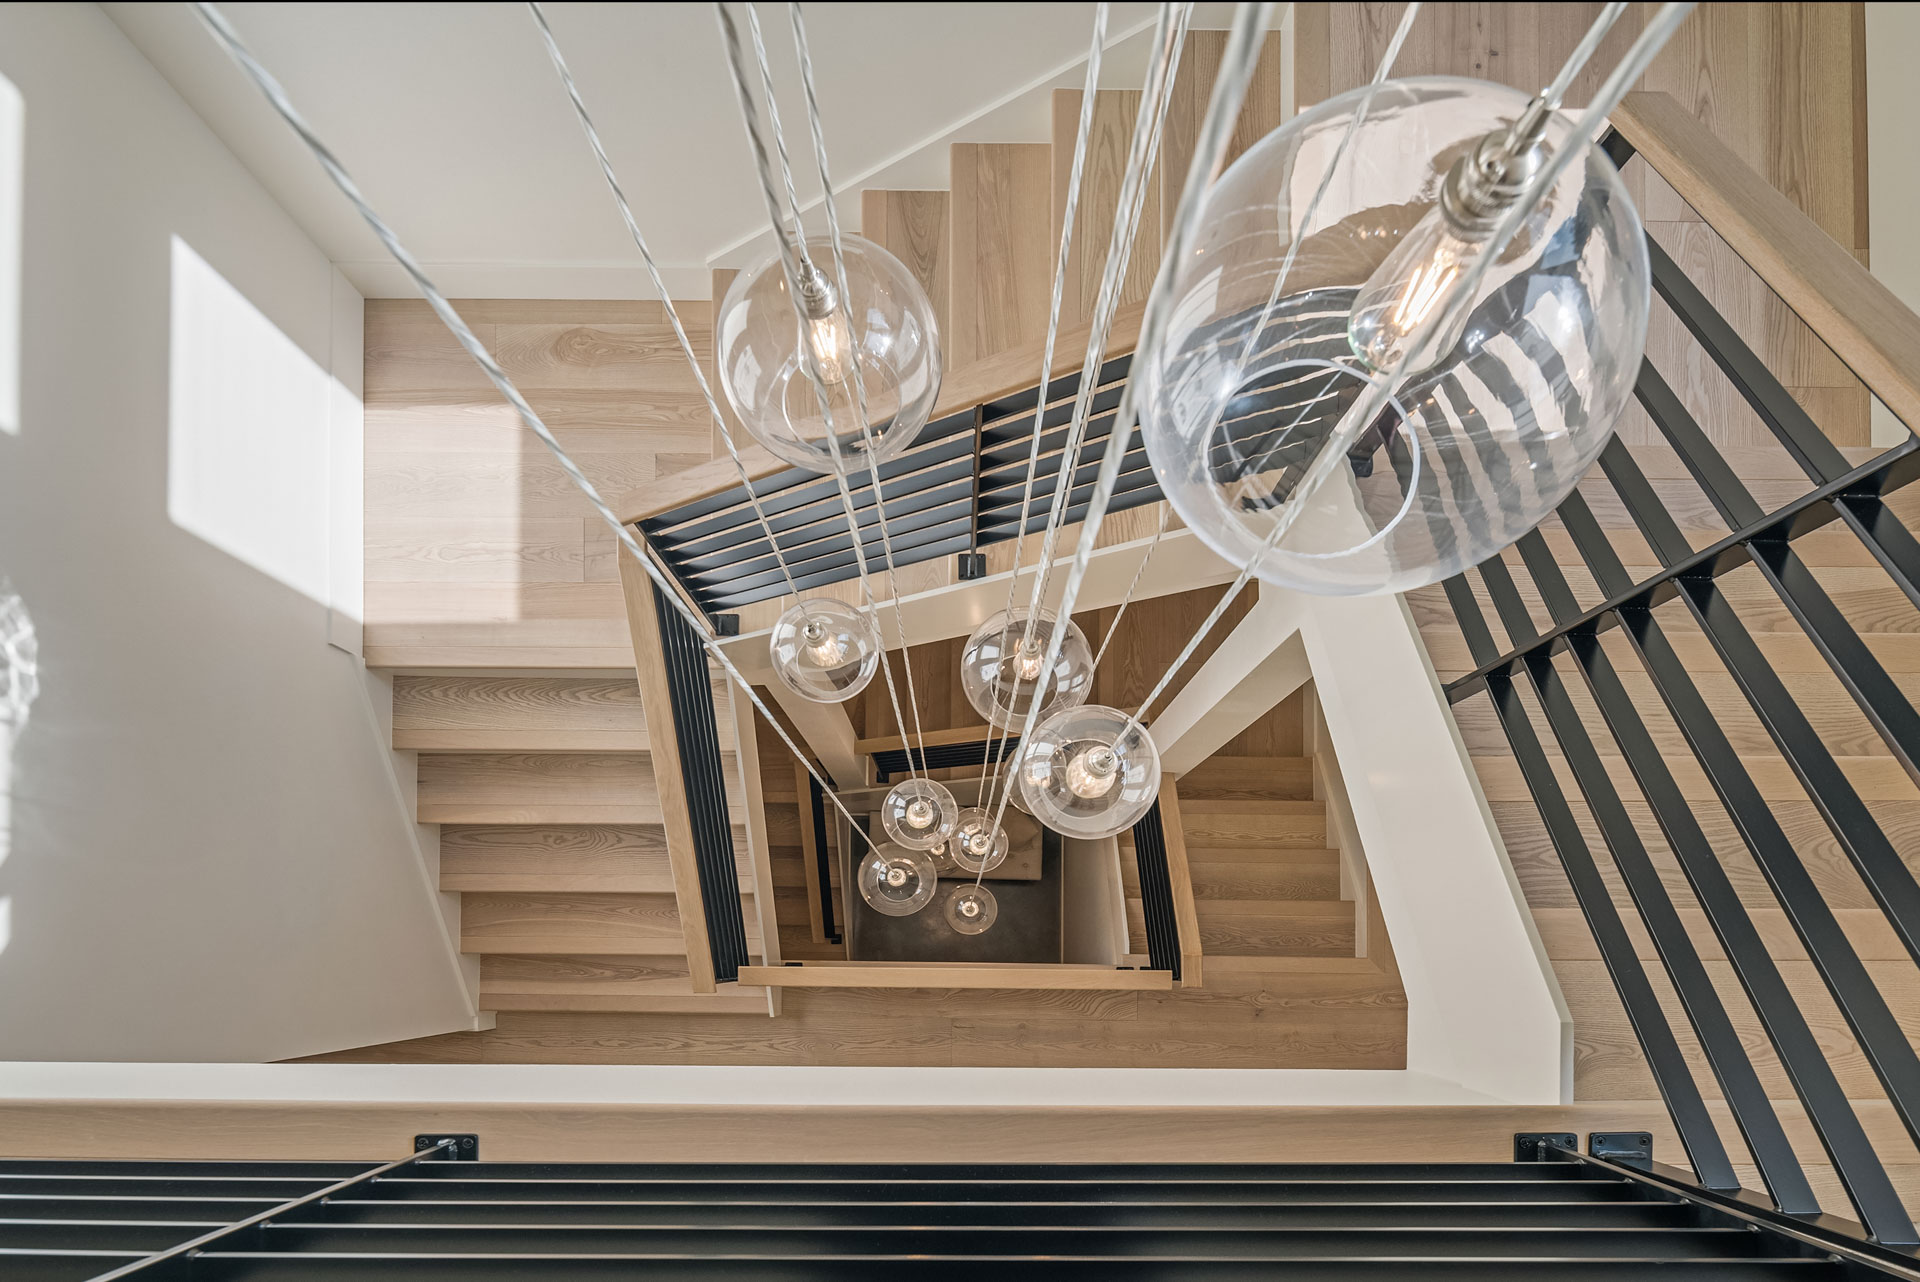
[[830, 339], [1029, 660], [1405, 291], [821, 646], [920, 813], [1092, 771], [895, 875]]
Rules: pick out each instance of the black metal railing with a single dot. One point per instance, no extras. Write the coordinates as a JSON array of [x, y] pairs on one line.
[[703, 775], [1763, 538], [1156, 893], [1569, 1216]]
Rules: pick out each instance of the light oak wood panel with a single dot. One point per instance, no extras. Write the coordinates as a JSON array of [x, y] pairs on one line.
[[1566, 935], [1109, 137], [1001, 262], [523, 714], [1260, 113], [633, 985], [538, 788], [1234, 778], [591, 858], [915, 227], [578, 923], [470, 525], [1300, 825], [1192, 929]]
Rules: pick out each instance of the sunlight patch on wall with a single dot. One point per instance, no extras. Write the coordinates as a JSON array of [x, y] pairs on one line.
[[13, 138], [248, 415]]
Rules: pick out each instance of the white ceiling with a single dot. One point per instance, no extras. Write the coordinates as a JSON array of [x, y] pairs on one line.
[[452, 120]]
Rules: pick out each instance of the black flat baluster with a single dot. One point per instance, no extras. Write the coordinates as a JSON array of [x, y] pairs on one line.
[[1671, 1076], [1891, 543], [1818, 456], [1752, 1111], [1880, 866], [1799, 1051]]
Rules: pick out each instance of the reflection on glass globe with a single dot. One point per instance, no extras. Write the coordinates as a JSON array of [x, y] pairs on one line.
[[825, 650], [942, 856], [884, 335], [1482, 444], [1000, 666], [897, 881], [919, 813], [971, 909], [978, 844], [1084, 777]]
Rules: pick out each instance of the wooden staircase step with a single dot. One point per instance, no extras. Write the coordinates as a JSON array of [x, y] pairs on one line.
[[520, 714], [1253, 873], [1266, 928], [1248, 779], [1111, 134], [577, 924], [1257, 824], [612, 984], [1245, 880], [915, 227], [1001, 259], [542, 788], [592, 858]]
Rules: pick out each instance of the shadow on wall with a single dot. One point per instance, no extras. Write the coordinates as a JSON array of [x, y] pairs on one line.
[[19, 683]]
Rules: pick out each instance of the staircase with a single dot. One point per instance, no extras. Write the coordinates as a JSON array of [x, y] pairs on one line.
[[542, 788]]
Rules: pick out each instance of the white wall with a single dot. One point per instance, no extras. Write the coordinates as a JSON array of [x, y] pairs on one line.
[[1893, 167], [210, 857]]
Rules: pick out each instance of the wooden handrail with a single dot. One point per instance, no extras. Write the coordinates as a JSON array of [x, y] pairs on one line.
[[1869, 329], [987, 379], [1186, 917]]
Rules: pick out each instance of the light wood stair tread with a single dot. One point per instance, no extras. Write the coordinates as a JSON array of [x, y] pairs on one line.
[[606, 984]]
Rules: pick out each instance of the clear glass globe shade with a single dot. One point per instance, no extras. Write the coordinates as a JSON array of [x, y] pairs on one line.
[[978, 844], [825, 650], [972, 909], [1000, 666], [897, 881], [1478, 448], [1086, 773], [919, 814], [882, 337]]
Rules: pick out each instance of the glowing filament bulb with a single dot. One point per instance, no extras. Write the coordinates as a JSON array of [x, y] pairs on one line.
[[1406, 291], [830, 339], [920, 813], [1028, 661], [1092, 772], [821, 646]]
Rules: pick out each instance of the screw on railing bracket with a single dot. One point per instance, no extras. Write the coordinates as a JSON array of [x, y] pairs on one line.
[[1629, 1148], [464, 1148], [1540, 1146], [971, 565]]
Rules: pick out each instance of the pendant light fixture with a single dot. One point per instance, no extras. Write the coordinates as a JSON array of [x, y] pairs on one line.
[[825, 650], [1089, 771], [1287, 314], [1001, 663], [897, 881], [919, 813], [978, 845], [881, 332], [971, 909]]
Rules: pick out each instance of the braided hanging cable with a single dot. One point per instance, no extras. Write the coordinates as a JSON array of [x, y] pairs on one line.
[[1380, 74], [859, 374], [1457, 299], [779, 134], [660, 287], [1082, 133], [229, 39], [792, 262], [1149, 123], [1237, 63]]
